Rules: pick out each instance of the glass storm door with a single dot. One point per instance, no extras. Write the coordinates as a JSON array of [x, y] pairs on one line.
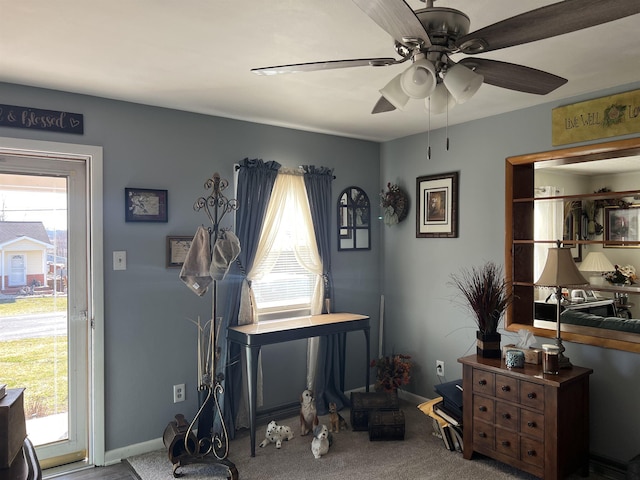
[[44, 331]]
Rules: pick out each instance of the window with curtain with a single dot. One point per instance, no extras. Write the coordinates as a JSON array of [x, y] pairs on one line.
[[287, 275]]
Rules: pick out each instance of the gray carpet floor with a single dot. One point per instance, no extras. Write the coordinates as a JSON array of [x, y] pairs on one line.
[[421, 455]]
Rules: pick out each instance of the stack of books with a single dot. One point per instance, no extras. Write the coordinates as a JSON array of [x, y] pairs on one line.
[[446, 414]]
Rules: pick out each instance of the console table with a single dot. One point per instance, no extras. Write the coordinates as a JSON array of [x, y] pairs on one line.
[[253, 337], [532, 421]]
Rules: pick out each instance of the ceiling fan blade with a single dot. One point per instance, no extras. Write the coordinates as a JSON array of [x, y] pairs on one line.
[[383, 105], [545, 22], [396, 18], [329, 65], [514, 77]]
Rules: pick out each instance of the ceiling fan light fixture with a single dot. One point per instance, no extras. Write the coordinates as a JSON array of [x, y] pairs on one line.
[[394, 94], [440, 100], [419, 80], [462, 82]]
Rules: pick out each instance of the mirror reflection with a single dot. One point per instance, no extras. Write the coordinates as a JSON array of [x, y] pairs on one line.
[[594, 207], [354, 220]]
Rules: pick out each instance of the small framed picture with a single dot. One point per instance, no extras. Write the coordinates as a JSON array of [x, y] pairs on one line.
[[177, 248], [145, 205], [621, 227], [437, 212]]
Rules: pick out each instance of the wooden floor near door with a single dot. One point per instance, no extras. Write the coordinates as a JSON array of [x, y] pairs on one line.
[[119, 471]]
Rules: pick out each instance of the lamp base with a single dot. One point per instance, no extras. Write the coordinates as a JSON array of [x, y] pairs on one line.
[[563, 362]]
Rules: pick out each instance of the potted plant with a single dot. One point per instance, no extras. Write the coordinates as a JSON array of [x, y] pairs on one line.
[[391, 372], [487, 295]]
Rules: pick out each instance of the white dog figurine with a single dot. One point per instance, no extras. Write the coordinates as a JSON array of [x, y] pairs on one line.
[[308, 413], [321, 441], [276, 434]]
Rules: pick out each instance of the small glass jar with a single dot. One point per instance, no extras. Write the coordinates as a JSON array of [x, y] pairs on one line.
[[550, 359]]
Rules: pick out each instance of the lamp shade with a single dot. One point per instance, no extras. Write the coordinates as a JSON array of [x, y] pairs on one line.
[[462, 82], [440, 100], [393, 92], [560, 270], [419, 80], [596, 262]]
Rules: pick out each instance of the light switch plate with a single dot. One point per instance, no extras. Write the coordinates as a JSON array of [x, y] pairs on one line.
[[120, 260]]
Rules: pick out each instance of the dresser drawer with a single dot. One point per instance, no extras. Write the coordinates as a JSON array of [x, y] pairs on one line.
[[483, 408], [507, 442], [532, 451], [483, 434], [506, 388], [483, 382], [532, 395], [532, 423], [507, 416]]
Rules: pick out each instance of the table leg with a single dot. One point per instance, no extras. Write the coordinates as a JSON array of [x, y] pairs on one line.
[[368, 367], [251, 356]]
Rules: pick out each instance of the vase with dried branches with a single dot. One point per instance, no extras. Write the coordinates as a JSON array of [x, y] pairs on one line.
[[487, 295]]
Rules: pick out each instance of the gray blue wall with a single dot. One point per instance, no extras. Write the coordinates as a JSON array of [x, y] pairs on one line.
[[149, 346], [424, 317]]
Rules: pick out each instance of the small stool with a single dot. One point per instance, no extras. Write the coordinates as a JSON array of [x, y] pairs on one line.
[[633, 468]]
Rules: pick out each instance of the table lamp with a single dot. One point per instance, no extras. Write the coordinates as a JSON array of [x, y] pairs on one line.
[[560, 271], [596, 263]]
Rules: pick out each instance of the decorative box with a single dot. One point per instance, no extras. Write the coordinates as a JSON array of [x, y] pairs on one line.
[[13, 428], [362, 404], [387, 425], [531, 355]]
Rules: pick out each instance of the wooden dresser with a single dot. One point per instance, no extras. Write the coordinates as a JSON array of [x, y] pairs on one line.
[[532, 421]]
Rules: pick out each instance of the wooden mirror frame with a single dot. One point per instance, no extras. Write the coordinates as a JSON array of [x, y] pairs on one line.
[[354, 219], [519, 179]]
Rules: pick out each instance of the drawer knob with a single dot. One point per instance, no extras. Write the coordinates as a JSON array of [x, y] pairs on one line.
[[531, 424], [531, 453], [482, 382], [506, 416], [505, 388], [531, 395], [482, 408], [505, 443], [482, 435]]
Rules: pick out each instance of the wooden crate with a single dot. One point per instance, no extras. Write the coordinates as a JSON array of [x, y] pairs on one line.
[[363, 403], [386, 425], [13, 428]]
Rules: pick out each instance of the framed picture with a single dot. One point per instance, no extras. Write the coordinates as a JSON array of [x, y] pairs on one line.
[[437, 199], [144, 205], [621, 227], [177, 248]]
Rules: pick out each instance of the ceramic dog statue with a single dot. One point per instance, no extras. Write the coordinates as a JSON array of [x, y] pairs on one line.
[[321, 442], [308, 412], [336, 421], [276, 434]]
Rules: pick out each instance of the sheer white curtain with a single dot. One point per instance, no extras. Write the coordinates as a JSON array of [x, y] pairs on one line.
[[548, 225], [288, 198]]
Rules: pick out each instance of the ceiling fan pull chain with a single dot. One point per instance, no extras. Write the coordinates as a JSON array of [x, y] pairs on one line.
[[429, 131], [446, 129]]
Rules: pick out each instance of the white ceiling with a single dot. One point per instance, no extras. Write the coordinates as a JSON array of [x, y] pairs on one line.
[[195, 55]]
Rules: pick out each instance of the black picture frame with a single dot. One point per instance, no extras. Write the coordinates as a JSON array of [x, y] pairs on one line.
[[437, 201], [622, 227], [177, 248], [145, 205]]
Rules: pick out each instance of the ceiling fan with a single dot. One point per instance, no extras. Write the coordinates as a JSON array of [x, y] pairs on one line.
[[429, 36]]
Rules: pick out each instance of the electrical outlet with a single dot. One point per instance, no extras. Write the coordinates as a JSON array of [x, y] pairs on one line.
[[178, 393], [440, 368]]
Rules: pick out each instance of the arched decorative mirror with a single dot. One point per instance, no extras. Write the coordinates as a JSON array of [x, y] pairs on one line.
[[354, 220], [588, 197]]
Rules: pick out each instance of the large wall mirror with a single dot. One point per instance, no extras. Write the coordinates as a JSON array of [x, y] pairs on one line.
[[354, 220], [588, 197]]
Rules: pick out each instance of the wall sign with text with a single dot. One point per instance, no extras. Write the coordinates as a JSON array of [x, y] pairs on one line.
[[599, 118], [38, 119]]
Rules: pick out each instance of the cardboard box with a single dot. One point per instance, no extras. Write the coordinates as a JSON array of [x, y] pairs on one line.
[[531, 355], [13, 429]]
